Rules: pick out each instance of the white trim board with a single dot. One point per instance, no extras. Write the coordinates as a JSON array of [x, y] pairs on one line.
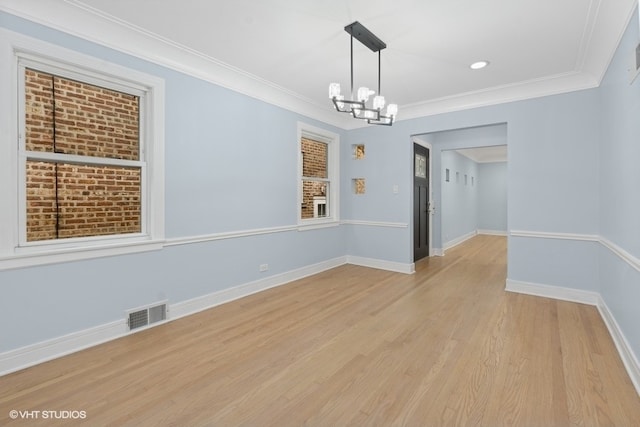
[[625, 351], [458, 240], [621, 253], [75, 18], [630, 259], [24, 357], [174, 241], [72, 254], [554, 292], [204, 302], [492, 232], [398, 267], [627, 355], [554, 235], [34, 354], [629, 358]]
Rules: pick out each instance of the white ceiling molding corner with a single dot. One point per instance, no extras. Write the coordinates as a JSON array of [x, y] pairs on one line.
[[554, 85], [73, 18], [595, 36]]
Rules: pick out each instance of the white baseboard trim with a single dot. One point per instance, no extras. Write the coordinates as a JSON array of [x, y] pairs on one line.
[[458, 240], [437, 252], [24, 357], [627, 355], [492, 232], [555, 292], [195, 305], [397, 267]]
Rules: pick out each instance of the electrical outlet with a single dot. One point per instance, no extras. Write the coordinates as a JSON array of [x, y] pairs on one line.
[[264, 267]]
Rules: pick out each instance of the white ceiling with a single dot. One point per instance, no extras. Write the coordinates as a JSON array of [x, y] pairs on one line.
[[287, 51]]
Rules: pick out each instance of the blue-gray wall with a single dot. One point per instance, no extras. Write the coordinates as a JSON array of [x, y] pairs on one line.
[[485, 135], [481, 202], [459, 198], [492, 197], [619, 188], [572, 169], [552, 155], [224, 173]]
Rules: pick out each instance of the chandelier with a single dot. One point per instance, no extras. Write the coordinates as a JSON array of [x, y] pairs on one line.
[[358, 107]]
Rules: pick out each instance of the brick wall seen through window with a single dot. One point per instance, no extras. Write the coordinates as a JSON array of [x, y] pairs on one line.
[[79, 194], [315, 182]]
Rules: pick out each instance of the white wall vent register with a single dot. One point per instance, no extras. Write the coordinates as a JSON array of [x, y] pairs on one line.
[[145, 316]]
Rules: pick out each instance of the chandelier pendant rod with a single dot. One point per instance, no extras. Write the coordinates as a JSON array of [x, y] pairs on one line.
[[352, 67], [379, 60]]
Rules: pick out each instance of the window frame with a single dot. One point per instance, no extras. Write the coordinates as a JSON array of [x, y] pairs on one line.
[[333, 175], [19, 52]]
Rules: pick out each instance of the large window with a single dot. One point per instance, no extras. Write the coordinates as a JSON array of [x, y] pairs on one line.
[[83, 169], [318, 179], [84, 157]]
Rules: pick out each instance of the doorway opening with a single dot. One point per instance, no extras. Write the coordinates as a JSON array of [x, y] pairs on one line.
[[467, 186]]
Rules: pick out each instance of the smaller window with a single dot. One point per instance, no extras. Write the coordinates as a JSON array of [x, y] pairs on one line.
[[318, 175]]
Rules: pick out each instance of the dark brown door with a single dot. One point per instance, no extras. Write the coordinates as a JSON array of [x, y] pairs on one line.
[[420, 202]]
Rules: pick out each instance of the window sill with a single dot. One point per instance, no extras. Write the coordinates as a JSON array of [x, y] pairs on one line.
[[58, 255]]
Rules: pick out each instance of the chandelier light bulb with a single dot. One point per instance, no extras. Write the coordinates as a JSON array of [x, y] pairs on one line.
[[364, 93], [340, 98], [392, 110], [368, 114], [334, 90], [378, 102]]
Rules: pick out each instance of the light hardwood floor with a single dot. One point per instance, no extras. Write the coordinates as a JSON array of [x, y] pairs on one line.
[[353, 346]]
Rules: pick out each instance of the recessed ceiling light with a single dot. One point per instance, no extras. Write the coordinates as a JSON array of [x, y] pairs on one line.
[[478, 65]]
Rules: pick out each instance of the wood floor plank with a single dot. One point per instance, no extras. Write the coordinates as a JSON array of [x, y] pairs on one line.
[[352, 346]]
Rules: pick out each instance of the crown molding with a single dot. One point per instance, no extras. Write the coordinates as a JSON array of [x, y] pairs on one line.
[[75, 18], [596, 51], [598, 38], [536, 88]]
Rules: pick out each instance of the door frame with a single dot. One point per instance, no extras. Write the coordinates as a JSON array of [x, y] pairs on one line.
[[430, 206]]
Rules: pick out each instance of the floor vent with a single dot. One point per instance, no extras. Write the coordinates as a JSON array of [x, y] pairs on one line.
[[146, 316]]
